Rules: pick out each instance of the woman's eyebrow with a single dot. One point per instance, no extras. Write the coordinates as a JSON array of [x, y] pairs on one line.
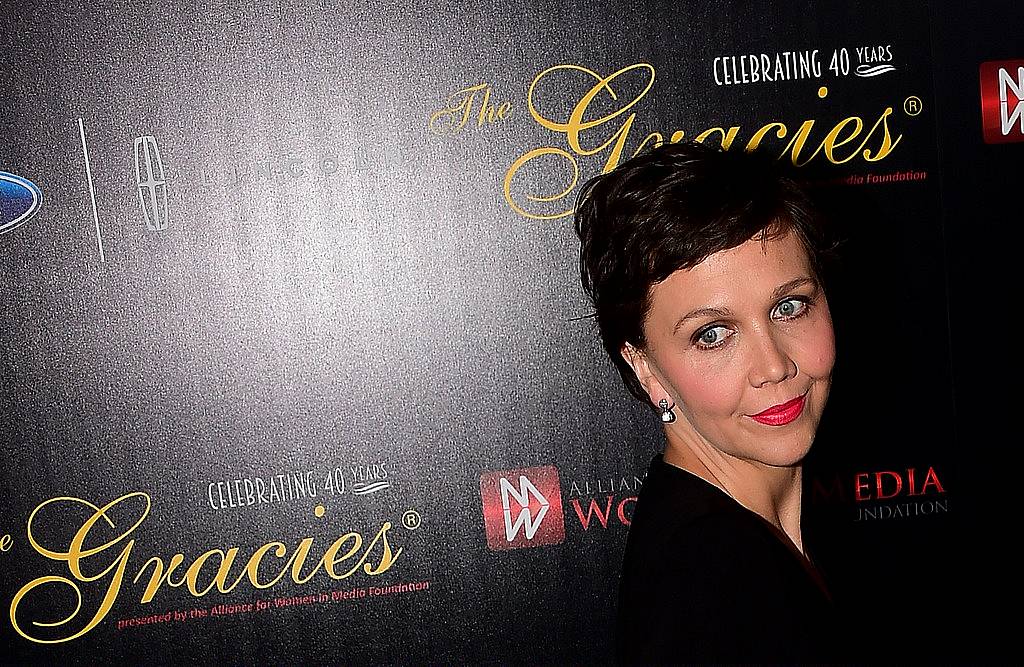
[[782, 289], [777, 293], [701, 312]]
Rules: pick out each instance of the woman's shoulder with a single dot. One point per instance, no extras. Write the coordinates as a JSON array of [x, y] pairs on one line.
[[676, 507], [703, 577], [683, 524], [712, 537]]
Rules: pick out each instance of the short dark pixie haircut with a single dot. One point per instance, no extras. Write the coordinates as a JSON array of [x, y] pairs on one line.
[[670, 208]]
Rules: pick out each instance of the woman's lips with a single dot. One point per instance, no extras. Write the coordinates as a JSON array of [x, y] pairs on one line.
[[782, 413]]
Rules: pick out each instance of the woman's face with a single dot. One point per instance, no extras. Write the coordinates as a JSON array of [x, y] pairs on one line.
[[743, 332]]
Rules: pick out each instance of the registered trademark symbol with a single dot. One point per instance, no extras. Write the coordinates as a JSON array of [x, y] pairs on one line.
[[411, 520], [912, 105]]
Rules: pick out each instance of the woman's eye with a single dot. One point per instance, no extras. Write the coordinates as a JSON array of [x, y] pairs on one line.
[[790, 308], [712, 336]]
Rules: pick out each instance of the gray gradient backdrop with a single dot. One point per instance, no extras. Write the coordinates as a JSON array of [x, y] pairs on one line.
[[339, 286]]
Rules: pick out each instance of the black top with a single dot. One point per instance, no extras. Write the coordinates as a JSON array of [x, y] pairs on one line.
[[705, 579]]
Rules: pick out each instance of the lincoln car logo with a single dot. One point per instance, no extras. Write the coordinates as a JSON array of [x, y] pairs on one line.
[[149, 175], [19, 201]]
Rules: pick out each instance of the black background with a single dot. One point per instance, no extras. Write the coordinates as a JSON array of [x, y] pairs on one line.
[[981, 203]]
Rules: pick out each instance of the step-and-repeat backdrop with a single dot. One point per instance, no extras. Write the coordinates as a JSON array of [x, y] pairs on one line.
[[296, 366]]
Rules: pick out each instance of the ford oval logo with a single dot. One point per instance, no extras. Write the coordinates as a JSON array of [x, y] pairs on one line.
[[19, 201]]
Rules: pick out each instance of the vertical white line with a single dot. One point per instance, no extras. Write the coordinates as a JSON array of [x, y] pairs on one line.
[[92, 191]]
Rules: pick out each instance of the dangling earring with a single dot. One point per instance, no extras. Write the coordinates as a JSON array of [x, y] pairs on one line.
[[667, 416]]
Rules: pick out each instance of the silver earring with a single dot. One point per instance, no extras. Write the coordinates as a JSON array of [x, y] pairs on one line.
[[667, 416]]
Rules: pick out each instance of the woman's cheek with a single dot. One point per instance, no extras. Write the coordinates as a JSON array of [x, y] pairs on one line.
[[709, 389], [822, 345], [828, 336]]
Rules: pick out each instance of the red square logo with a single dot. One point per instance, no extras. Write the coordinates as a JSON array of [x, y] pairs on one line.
[[522, 508], [1002, 101]]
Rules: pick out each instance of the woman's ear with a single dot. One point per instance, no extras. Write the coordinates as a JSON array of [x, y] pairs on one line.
[[641, 365]]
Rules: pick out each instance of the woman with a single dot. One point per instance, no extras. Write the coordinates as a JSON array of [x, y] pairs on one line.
[[703, 267]]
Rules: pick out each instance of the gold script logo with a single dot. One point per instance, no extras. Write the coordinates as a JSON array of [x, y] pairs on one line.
[[101, 563], [456, 113], [608, 134]]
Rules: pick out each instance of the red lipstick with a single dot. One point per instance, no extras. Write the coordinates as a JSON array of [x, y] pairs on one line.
[[782, 413]]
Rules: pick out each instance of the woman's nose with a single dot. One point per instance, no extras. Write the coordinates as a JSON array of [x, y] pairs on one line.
[[770, 360]]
